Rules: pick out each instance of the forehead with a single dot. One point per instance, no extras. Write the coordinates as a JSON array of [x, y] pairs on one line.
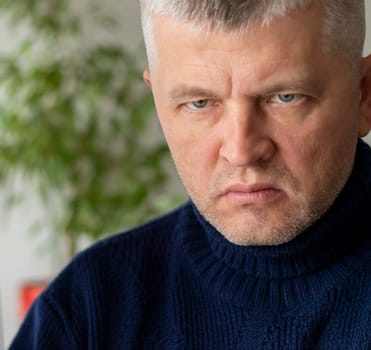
[[284, 36], [286, 54], [293, 40]]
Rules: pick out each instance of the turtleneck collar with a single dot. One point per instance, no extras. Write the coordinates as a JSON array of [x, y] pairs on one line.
[[277, 276]]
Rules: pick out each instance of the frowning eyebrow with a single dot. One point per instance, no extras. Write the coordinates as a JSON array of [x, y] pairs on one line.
[[185, 92], [300, 85]]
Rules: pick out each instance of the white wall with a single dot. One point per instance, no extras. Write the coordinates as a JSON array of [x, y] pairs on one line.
[[20, 256]]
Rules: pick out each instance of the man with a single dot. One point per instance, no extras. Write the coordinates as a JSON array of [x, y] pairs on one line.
[[263, 104]]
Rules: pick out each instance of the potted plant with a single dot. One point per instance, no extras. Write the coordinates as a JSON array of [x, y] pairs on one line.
[[77, 123]]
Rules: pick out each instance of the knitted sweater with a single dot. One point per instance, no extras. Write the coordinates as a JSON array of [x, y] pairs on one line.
[[178, 284]]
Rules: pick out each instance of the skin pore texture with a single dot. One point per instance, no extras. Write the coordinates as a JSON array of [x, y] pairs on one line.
[[262, 125]]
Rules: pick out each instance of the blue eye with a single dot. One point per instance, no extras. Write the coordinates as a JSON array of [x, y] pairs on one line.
[[287, 98], [199, 104]]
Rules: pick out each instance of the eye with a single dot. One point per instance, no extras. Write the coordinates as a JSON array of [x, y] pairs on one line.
[[286, 98], [198, 104]]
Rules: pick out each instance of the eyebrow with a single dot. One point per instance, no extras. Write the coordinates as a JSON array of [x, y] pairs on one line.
[[294, 85], [190, 92], [185, 92]]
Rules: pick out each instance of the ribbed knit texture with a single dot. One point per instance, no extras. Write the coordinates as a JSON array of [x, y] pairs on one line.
[[176, 283]]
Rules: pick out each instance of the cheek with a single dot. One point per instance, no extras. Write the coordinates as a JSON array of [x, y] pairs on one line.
[[317, 156], [302, 151], [196, 152], [194, 155]]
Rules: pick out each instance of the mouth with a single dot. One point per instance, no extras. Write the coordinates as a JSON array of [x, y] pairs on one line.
[[252, 194]]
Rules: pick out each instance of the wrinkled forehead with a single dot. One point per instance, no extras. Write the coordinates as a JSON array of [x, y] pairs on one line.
[[306, 23], [328, 40], [206, 25]]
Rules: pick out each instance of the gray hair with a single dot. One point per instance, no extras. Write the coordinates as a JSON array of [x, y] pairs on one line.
[[344, 27]]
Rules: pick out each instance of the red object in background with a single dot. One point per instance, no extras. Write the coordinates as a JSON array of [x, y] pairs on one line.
[[29, 292]]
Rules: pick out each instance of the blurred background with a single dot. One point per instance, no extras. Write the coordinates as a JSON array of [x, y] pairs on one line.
[[81, 152]]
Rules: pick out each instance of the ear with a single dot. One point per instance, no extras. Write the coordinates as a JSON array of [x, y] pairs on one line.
[[147, 78], [365, 106]]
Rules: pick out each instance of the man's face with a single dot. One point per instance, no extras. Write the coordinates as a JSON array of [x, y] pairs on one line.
[[262, 126]]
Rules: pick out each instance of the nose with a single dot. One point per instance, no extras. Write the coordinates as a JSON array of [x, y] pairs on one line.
[[245, 137]]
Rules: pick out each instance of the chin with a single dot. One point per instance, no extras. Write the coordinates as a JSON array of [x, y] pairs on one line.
[[260, 239], [271, 234]]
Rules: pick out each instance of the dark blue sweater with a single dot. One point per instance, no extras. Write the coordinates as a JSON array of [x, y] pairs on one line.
[[177, 284]]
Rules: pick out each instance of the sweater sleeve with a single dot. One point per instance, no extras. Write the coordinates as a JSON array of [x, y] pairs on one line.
[[44, 328]]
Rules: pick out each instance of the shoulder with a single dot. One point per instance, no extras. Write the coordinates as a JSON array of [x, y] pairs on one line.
[[113, 274], [123, 256], [102, 290], [153, 236]]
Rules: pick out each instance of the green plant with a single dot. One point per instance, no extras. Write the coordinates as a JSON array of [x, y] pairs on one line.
[[76, 120]]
